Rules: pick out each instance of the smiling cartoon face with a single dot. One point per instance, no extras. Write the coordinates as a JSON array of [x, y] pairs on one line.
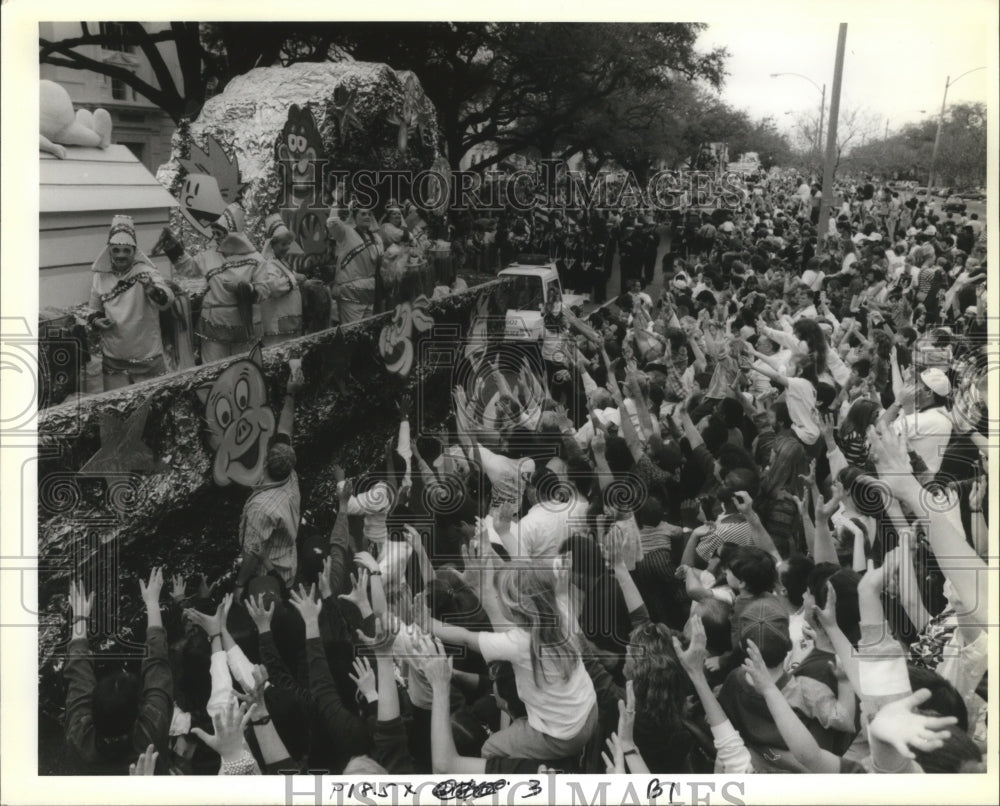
[[201, 201], [299, 153], [239, 422]]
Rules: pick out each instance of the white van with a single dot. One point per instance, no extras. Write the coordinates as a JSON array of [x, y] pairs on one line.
[[533, 285]]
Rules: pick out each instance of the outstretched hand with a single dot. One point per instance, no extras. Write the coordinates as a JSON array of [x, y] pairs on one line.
[[261, 616], [899, 725], [229, 726], [693, 658], [307, 604], [385, 635], [756, 670], [150, 590], [80, 602]]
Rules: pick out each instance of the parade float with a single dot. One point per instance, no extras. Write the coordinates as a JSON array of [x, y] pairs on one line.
[[130, 478]]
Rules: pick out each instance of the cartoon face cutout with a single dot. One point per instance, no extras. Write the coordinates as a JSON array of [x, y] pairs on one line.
[[201, 202], [239, 421], [394, 342], [212, 180], [299, 153]]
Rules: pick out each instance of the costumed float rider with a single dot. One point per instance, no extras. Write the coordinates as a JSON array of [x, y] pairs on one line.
[[281, 312], [126, 296], [357, 282], [230, 321]]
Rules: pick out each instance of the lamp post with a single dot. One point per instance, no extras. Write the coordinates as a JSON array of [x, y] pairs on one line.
[[937, 137], [822, 107]]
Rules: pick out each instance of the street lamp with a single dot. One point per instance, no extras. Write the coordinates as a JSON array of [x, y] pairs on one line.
[[822, 107], [937, 137]]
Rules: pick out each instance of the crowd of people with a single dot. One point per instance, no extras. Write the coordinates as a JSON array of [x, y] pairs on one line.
[[737, 526]]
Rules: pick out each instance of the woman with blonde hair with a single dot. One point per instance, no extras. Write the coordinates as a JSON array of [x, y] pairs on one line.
[[535, 635]]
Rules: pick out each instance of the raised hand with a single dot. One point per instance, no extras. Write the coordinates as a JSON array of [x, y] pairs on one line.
[[254, 698], [261, 616], [178, 588], [307, 604], [211, 624], [367, 562], [150, 591], [434, 662], [897, 724], [826, 617], [146, 763], [977, 492], [756, 670], [693, 658], [889, 453], [825, 509], [359, 591], [364, 678], [80, 602], [229, 726], [385, 635], [614, 759], [204, 588], [626, 717]]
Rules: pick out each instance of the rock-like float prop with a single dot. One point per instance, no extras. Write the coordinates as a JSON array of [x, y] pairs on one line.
[[289, 128]]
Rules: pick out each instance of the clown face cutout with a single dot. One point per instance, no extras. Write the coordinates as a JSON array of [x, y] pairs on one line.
[[239, 422], [394, 343], [299, 154]]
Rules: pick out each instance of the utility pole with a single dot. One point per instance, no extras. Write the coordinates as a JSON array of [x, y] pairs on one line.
[[819, 126], [937, 137], [831, 139]]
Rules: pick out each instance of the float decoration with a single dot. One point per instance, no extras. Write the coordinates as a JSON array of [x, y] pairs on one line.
[[238, 420], [58, 126], [212, 182], [395, 343], [122, 448]]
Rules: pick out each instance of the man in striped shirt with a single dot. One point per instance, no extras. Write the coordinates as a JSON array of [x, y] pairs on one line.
[[269, 525]]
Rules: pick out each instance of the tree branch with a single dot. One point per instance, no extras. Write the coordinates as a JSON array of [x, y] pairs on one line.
[[172, 105]]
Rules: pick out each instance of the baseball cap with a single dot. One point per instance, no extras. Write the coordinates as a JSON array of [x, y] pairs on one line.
[[765, 622], [936, 381]]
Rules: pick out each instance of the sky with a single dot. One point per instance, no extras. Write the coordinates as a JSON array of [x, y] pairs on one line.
[[899, 78]]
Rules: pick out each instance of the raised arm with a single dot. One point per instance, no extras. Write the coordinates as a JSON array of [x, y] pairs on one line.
[[795, 734], [732, 753]]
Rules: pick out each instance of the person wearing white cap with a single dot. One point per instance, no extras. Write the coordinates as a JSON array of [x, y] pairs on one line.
[[126, 296], [928, 428], [281, 312]]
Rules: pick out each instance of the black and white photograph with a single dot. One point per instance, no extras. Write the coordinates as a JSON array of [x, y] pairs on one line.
[[554, 409]]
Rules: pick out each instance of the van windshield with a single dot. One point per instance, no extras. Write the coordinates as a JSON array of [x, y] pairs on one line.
[[527, 293]]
